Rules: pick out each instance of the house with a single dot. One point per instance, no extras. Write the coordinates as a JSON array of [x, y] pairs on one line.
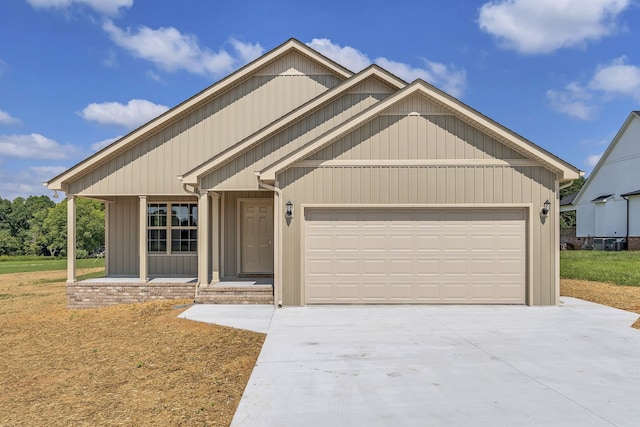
[[335, 187], [608, 205]]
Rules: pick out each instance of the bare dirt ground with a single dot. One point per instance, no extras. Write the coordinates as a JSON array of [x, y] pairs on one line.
[[622, 297], [127, 365], [138, 365]]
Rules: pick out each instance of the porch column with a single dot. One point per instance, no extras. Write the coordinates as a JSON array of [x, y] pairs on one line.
[[215, 237], [71, 239], [203, 239], [142, 240]]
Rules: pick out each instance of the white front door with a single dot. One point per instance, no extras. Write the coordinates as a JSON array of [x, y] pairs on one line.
[[256, 236]]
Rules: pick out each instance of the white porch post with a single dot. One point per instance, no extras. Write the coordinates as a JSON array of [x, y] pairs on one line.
[[215, 237], [71, 239], [203, 239], [142, 240]]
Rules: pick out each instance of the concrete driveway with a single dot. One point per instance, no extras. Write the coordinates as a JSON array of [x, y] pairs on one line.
[[573, 365]]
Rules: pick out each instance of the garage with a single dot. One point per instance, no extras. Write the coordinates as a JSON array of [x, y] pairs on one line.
[[415, 255]]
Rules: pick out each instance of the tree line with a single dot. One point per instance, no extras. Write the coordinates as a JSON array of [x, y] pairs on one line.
[[38, 226]]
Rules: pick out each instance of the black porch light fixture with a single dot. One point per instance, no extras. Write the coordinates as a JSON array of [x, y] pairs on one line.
[[288, 209], [546, 208]]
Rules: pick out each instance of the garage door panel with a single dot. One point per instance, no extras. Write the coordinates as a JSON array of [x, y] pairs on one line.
[[415, 255]]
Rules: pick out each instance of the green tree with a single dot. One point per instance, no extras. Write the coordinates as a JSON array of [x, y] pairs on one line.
[[8, 243], [5, 212], [568, 219], [54, 229], [89, 227]]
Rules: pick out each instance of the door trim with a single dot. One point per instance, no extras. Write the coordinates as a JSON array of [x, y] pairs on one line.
[[239, 201], [527, 207]]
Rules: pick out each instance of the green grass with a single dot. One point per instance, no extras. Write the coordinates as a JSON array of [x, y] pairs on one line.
[[620, 268], [29, 264]]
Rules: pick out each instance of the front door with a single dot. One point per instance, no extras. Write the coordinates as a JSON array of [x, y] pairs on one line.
[[256, 236]]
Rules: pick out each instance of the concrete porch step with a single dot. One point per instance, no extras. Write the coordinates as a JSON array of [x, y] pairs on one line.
[[254, 294]]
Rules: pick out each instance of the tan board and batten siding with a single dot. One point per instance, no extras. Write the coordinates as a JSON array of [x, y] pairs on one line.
[[151, 167], [239, 173], [415, 155], [121, 241], [336, 145]]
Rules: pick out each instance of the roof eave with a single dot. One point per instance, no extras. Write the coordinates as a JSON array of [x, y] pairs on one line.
[[184, 107], [564, 170], [193, 176]]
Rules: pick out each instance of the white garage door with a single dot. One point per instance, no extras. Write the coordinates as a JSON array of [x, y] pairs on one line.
[[414, 256]]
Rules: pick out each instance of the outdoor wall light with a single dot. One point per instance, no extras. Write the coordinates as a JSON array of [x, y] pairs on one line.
[[289, 209], [546, 208]]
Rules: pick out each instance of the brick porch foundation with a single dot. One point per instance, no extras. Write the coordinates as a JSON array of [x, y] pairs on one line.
[[93, 295]]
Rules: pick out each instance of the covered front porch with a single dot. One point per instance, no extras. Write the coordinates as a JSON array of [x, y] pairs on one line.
[[208, 248]]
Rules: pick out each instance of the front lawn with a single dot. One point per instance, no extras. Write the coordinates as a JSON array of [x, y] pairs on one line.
[[25, 264], [620, 268]]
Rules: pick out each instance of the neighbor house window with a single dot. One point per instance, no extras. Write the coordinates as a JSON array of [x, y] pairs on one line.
[[172, 228]]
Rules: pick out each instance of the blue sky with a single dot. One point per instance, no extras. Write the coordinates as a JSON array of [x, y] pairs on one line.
[[77, 74]]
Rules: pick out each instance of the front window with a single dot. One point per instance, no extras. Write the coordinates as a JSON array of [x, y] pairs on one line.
[[182, 228]]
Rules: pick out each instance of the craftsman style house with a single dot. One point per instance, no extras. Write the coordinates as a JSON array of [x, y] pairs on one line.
[[331, 186]]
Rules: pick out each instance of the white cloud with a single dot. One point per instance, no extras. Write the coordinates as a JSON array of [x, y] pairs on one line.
[[449, 78], [616, 79], [28, 181], [593, 159], [172, 50], [573, 101], [135, 113], [543, 26], [154, 76], [47, 172], [346, 56], [247, 51], [106, 7], [111, 59], [34, 146], [6, 119], [101, 144]]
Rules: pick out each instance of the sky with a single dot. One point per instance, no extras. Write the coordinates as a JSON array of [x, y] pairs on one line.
[[75, 75]]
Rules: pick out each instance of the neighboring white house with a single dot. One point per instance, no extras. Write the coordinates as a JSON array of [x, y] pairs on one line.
[[608, 206]]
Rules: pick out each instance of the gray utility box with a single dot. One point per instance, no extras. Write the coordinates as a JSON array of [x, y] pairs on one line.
[[608, 244]]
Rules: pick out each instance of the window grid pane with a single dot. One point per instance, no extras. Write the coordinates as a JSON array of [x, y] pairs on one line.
[[182, 225]]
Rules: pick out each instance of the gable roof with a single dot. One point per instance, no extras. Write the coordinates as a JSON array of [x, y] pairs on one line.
[[633, 115], [633, 193], [184, 108], [565, 170], [602, 198], [568, 200], [210, 165]]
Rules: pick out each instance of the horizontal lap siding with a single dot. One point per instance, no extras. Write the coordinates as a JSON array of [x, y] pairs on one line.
[[151, 166], [422, 137]]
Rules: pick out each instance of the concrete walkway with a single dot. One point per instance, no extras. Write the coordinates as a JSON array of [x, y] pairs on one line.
[[573, 365]]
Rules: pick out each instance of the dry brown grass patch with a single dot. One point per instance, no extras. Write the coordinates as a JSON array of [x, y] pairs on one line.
[[622, 297], [124, 365]]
